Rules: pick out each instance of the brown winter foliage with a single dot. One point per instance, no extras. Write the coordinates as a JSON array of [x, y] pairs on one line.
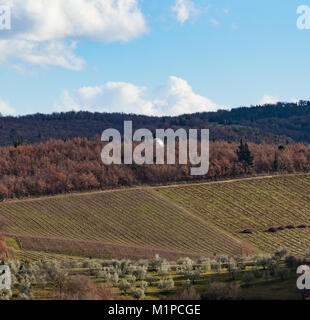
[[59, 167], [222, 291], [187, 294], [3, 246], [83, 288]]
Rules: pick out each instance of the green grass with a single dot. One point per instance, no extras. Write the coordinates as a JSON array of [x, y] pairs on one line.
[[11, 242]]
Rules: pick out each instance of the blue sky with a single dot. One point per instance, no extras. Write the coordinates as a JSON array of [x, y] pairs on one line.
[[152, 56]]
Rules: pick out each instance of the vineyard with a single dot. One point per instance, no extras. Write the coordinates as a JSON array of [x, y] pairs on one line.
[[267, 212], [230, 217], [133, 222]]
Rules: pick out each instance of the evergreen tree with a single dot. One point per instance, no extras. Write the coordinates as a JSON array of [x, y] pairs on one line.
[[276, 163], [244, 154]]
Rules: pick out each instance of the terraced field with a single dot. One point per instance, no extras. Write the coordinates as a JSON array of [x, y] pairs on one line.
[[174, 221], [255, 205], [134, 220]]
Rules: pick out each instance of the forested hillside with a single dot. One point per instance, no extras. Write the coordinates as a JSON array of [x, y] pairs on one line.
[[281, 123], [75, 165]]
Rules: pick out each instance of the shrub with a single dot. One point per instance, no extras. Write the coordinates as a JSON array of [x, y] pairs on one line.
[[203, 260], [195, 275], [247, 231], [124, 285], [216, 266], [105, 291], [223, 259], [187, 284], [144, 285], [233, 270], [81, 288], [186, 294], [185, 262], [140, 272], [24, 296], [205, 264], [24, 287], [292, 262], [157, 261], [264, 261], [74, 264], [125, 265], [166, 284], [94, 269], [151, 279], [5, 294], [55, 274], [163, 270], [232, 264], [302, 226], [248, 277], [283, 273], [280, 253], [290, 227], [137, 293], [115, 278], [143, 263], [221, 291]]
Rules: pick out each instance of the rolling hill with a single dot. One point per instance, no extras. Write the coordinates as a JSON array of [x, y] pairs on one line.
[[184, 220], [268, 212], [283, 122]]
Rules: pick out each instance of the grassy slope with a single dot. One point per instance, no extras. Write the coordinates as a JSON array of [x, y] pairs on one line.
[[197, 219]]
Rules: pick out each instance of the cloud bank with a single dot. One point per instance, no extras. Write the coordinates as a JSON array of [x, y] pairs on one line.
[[6, 109], [44, 32], [268, 99], [175, 98]]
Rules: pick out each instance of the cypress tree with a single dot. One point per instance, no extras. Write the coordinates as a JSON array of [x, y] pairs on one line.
[[244, 154], [276, 164]]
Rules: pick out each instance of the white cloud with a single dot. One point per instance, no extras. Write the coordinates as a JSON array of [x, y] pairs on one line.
[[214, 21], [268, 99], [184, 10], [43, 30], [53, 53], [295, 100], [6, 109], [176, 97]]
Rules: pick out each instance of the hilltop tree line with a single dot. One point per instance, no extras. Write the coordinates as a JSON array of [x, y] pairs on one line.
[[280, 123], [75, 165]]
